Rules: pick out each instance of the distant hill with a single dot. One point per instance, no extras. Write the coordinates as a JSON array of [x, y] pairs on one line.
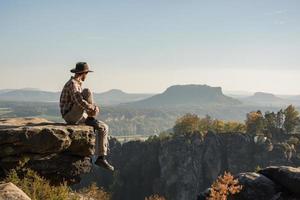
[[295, 99], [27, 94], [187, 95], [266, 99], [110, 97], [237, 94], [116, 96], [5, 90]]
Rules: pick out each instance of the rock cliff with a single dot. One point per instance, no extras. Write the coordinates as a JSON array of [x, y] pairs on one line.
[[56, 151], [180, 167], [177, 167]]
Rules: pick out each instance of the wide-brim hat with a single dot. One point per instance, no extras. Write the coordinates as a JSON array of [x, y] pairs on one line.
[[81, 67]]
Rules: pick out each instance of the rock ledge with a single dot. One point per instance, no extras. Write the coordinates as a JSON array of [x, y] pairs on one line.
[[55, 150]]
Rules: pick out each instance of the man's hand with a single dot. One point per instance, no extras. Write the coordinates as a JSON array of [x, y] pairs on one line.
[[97, 109], [95, 112]]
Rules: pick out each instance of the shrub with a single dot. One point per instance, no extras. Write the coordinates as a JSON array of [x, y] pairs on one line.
[[94, 192], [36, 187], [193, 124], [257, 168], [223, 187]]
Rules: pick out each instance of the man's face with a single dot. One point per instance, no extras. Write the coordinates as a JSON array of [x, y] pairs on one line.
[[83, 76]]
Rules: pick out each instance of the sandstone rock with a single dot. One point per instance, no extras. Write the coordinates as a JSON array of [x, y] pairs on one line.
[[181, 172], [212, 159], [8, 191], [52, 149], [188, 164], [271, 183], [238, 151], [255, 186], [286, 176]]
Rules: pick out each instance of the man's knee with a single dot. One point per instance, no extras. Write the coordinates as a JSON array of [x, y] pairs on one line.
[[87, 95]]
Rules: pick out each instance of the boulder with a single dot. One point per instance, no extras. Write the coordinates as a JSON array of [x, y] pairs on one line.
[[285, 176], [55, 150], [255, 186], [9, 191]]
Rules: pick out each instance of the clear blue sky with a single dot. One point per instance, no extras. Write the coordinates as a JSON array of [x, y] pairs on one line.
[[146, 46]]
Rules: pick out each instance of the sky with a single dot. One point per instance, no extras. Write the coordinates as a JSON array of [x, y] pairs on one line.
[[144, 46]]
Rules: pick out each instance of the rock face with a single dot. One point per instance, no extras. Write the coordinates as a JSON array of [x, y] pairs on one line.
[[287, 177], [56, 151], [271, 183], [11, 192], [255, 186], [178, 167], [183, 166]]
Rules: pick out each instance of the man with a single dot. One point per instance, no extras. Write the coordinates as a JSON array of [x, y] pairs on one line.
[[77, 106]]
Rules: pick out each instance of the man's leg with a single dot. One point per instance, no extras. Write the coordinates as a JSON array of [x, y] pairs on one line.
[[101, 130], [88, 96], [75, 115], [102, 133]]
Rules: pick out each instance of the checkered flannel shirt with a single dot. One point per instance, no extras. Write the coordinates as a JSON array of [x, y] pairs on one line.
[[71, 94]]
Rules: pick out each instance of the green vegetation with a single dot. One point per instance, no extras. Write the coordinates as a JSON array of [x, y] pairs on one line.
[[29, 109], [291, 119], [257, 168], [256, 123], [285, 121], [94, 192], [124, 121], [38, 188], [192, 123], [4, 111]]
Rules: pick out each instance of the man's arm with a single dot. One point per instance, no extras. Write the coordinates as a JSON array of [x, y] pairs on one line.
[[78, 99]]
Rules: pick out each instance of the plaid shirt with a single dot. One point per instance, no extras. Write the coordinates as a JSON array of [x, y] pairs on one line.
[[70, 95]]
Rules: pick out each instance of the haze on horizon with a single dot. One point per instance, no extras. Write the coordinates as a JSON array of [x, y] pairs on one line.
[[147, 46]]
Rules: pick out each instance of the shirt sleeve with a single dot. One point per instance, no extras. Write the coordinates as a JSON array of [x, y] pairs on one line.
[[78, 99]]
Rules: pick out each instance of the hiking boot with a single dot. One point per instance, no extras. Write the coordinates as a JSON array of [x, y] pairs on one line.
[[91, 121], [102, 162]]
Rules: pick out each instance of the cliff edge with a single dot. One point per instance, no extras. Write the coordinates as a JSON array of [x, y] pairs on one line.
[[55, 150]]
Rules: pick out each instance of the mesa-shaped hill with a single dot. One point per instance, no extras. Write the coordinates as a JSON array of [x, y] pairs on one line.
[[268, 99], [187, 95]]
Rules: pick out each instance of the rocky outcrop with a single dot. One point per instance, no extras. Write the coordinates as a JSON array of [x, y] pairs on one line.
[[285, 176], [180, 167], [255, 186], [56, 151], [177, 167], [271, 183], [189, 164], [10, 191]]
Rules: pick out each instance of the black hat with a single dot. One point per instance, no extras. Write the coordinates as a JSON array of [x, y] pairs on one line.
[[81, 67]]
